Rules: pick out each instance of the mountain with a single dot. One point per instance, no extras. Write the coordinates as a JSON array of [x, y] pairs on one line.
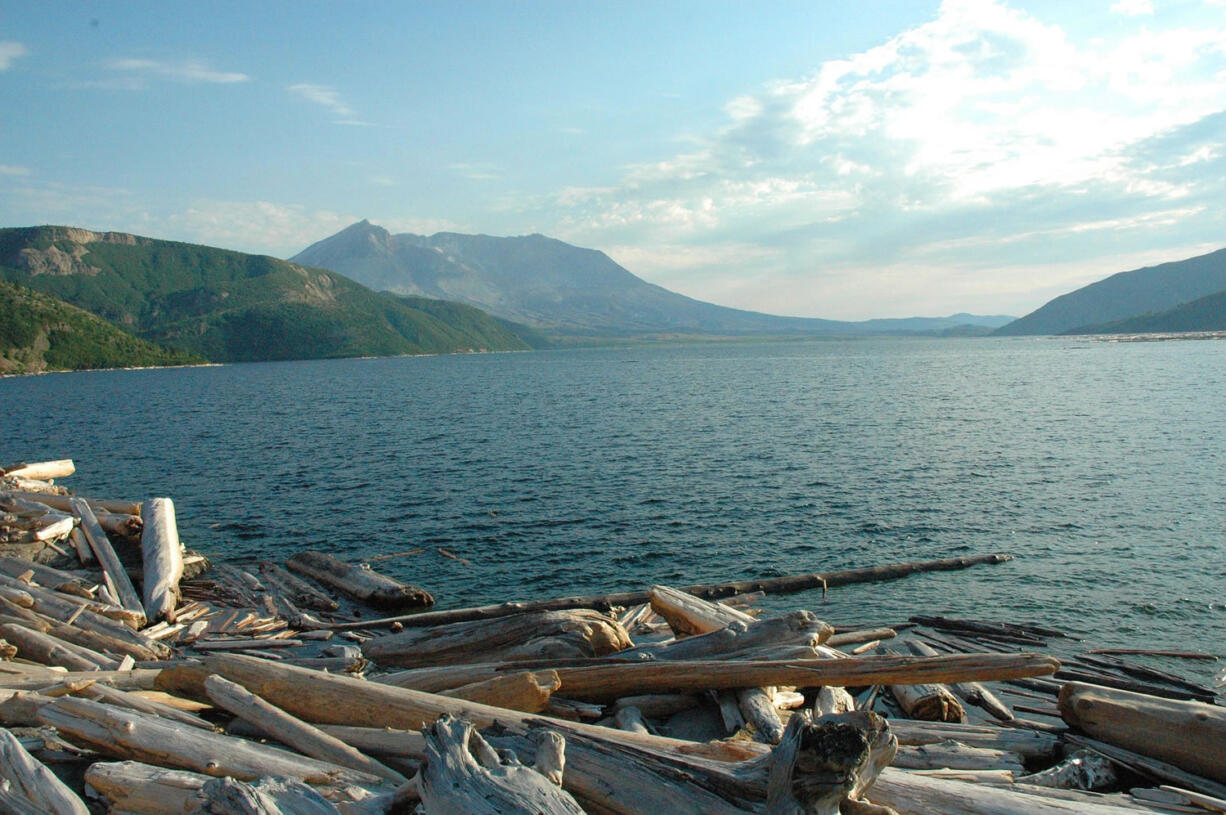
[[536, 280], [40, 333], [228, 306], [1125, 295], [568, 290], [1203, 314]]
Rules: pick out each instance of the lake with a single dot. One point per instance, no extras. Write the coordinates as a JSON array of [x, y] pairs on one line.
[[1098, 465]]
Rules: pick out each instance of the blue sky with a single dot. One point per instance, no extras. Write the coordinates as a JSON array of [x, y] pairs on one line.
[[831, 159]]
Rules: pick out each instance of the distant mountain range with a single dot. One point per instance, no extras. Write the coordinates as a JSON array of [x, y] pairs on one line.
[[567, 290], [214, 304], [1177, 296]]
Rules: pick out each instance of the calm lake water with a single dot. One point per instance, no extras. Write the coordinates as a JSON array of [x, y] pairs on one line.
[[1098, 465]]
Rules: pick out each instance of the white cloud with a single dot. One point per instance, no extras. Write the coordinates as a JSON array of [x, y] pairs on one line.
[[985, 126], [1133, 8], [178, 71], [10, 52], [13, 169], [327, 97]]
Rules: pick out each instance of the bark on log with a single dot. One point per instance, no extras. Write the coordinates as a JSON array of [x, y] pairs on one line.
[[587, 633], [361, 583], [161, 557], [292, 731], [463, 775], [140, 737], [1190, 735], [34, 782], [708, 591]]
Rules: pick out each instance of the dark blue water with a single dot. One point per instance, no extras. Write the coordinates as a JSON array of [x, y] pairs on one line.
[[1100, 466]]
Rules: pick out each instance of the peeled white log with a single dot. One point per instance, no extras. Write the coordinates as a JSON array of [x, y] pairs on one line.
[[162, 557], [42, 470], [116, 575], [463, 775], [687, 614], [292, 731], [59, 526], [34, 782]]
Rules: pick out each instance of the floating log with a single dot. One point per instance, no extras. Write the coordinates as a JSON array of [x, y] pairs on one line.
[[33, 782], [463, 774], [358, 582], [575, 633], [709, 591], [298, 590], [162, 558], [1190, 735]]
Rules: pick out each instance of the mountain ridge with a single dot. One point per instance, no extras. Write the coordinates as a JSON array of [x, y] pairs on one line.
[[561, 288]]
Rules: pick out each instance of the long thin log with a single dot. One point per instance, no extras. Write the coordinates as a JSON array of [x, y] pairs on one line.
[[780, 585], [116, 575], [138, 736], [609, 681], [64, 502], [162, 558], [292, 731], [1190, 735]]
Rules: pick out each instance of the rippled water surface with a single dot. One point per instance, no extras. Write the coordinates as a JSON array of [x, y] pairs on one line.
[[1099, 465]]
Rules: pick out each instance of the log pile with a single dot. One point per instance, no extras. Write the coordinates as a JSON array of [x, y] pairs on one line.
[[136, 677]]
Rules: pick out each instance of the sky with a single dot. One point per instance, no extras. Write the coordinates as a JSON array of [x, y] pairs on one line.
[[833, 159]]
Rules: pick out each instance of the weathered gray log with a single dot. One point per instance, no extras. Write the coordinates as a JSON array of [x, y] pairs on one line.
[[1150, 767], [265, 796], [136, 787], [65, 607], [1030, 744], [151, 739], [1190, 735], [760, 713], [708, 591], [44, 575], [102, 692], [657, 704], [914, 794], [463, 775], [299, 591], [139, 679], [358, 582], [292, 731], [797, 628], [161, 557], [587, 633], [687, 614], [117, 579], [46, 649], [98, 641], [34, 782], [929, 701], [63, 503], [956, 756]]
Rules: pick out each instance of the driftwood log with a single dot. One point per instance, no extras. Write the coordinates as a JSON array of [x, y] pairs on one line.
[[464, 775], [33, 782], [1190, 735], [577, 633], [162, 557], [358, 582], [116, 575]]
